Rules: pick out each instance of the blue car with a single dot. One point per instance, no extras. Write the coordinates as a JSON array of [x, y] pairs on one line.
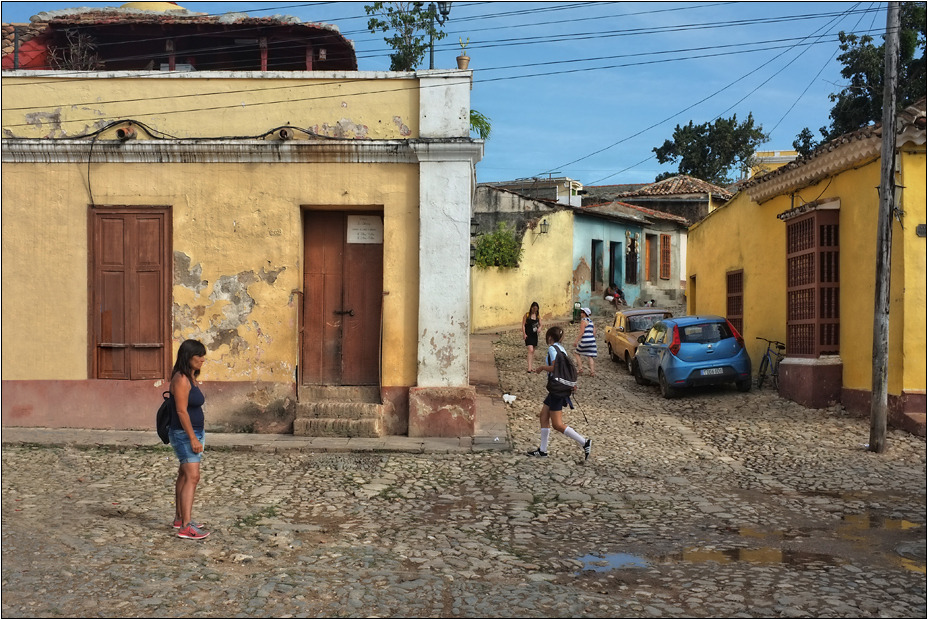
[[692, 350]]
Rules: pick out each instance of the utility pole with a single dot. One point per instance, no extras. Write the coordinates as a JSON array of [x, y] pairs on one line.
[[884, 237]]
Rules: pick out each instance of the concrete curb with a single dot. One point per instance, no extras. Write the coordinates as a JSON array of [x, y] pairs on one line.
[[491, 428]]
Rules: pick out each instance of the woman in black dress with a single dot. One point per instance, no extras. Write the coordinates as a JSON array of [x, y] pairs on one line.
[[531, 325]]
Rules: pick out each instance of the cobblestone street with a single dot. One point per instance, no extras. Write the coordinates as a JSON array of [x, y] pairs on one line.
[[714, 504]]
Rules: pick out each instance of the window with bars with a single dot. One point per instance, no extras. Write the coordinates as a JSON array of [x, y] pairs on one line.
[[665, 257], [812, 285], [734, 302]]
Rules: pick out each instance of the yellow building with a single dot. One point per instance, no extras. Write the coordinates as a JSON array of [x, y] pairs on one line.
[[236, 181], [767, 161], [792, 258]]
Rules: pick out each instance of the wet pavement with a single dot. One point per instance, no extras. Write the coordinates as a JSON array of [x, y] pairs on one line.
[[715, 504]]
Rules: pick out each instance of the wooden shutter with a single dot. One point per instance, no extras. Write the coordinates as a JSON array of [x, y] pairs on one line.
[[665, 257], [734, 303], [131, 294], [812, 285]]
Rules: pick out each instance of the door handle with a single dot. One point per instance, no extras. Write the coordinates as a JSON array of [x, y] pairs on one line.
[[343, 312]]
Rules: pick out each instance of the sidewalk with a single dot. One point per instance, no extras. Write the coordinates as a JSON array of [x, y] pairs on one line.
[[490, 427]]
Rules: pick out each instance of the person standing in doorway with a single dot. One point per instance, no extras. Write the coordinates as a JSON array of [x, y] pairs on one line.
[[553, 406], [531, 325], [186, 434], [585, 346]]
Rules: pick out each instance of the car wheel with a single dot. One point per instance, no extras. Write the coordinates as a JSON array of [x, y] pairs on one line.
[[666, 390], [640, 380], [615, 358], [743, 386], [628, 364]]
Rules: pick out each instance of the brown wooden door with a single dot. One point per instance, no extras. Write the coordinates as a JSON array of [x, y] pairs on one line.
[[343, 293], [131, 294]]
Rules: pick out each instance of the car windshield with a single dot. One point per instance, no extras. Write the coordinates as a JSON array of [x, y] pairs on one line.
[[643, 322], [705, 333]]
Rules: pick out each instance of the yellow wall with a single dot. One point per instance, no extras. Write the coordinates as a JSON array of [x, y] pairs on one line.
[[748, 236], [915, 345], [230, 219], [741, 235], [501, 297], [184, 107]]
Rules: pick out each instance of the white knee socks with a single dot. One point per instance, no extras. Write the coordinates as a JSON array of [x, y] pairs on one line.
[[580, 439], [545, 433]]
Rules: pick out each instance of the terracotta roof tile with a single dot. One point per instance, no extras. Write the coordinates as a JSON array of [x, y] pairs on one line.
[[619, 207], [27, 32], [58, 20], [680, 184], [913, 117]]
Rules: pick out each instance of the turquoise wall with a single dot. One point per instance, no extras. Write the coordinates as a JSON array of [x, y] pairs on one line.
[[610, 237]]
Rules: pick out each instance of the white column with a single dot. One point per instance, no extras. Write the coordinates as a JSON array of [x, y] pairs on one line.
[[445, 190]]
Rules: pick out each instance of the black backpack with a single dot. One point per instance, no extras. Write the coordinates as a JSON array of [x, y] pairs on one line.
[[163, 418], [562, 381]]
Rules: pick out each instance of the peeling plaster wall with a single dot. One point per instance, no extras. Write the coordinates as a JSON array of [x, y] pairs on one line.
[[501, 296], [237, 107], [585, 230], [236, 236], [238, 258]]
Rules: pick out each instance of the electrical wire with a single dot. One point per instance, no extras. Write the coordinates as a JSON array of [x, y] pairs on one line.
[[561, 37], [677, 114], [812, 81], [690, 50]]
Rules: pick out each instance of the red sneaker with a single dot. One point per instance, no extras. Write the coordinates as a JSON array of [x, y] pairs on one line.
[[192, 532]]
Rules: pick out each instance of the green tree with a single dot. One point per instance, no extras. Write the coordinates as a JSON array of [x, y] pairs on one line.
[[860, 102], [480, 124], [709, 151], [500, 248], [412, 25], [805, 142]]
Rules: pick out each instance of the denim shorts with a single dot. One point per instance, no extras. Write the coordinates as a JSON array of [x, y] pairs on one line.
[[182, 448]]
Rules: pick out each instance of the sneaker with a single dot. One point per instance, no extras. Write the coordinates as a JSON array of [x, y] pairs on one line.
[[179, 524], [587, 447], [192, 532], [538, 453]]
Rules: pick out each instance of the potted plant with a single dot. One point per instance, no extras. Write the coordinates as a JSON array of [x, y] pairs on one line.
[[463, 59]]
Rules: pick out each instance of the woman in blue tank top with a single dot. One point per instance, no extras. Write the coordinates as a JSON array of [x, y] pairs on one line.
[[186, 435]]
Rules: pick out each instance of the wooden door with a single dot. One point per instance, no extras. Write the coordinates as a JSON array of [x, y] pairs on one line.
[[342, 300], [131, 294]]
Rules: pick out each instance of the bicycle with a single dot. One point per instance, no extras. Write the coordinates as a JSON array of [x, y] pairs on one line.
[[771, 362]]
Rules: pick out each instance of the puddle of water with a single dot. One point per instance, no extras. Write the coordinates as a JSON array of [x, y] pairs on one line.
[[852, 527], [612, 561], [866, 521], [761, 555], [697, 555]]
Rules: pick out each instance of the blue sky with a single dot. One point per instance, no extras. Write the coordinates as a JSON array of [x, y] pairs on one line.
[[588, 89]]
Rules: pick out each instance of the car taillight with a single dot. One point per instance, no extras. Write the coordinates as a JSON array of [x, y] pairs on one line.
[[736, 334], [675, 345]]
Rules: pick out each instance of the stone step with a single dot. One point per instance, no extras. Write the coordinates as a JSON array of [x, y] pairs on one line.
[[337, 427], [342, 393], [340, 411]]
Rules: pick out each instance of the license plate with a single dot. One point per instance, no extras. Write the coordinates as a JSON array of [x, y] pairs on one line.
[[712, 371]]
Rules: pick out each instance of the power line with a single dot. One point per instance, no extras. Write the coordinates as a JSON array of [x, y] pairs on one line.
[[561, 37], [738, 49], [667, 120], [378, 91]]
